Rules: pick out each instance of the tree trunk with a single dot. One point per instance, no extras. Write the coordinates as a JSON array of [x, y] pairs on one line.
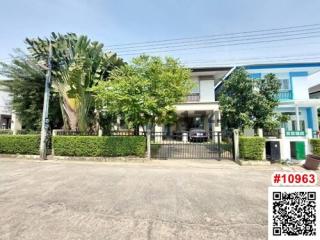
[[72, 116]]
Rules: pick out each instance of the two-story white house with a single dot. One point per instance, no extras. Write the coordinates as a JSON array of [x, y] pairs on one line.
[[200, 110]]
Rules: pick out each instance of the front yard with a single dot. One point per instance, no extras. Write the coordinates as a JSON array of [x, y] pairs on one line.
[[171, 200]]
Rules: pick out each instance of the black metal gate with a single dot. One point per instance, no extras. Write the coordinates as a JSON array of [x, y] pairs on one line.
[[195, 145]]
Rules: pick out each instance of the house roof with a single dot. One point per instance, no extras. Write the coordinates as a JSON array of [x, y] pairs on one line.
[[209, 69], [314, 89], [282, 65]]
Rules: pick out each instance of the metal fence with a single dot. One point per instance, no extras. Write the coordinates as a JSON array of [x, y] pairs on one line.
[[184, 145], [6, 132], [74, 133], [272, 133], [315, 134], [109, 133]]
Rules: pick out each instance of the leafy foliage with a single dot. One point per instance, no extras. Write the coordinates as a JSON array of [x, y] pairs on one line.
[[145, 91], [99, 146], [77, 64], [247, 102], [251, 148], [315, 143], [26, 81], [19, 144]]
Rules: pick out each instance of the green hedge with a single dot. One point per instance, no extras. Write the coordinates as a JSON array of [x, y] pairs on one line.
[[315, 143], [251, 148], [19, 144], [94, 146]]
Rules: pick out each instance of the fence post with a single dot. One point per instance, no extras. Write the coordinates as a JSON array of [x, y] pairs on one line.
[[309, 133], [54, 133], [219, 146], [100, 132], [236, 144], [309, 136], [148, 144], [282, 133], [260, 134]]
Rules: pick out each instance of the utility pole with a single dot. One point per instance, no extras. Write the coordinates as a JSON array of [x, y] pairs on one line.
[[45, 120]]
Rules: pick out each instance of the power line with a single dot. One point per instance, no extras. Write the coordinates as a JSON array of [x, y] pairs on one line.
[[262, 61], [316, 55], [226, 34], [221, 45], [214, 42], [211, 40]]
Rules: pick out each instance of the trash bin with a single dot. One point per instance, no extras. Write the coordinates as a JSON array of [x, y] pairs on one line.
[[273, 150], [298, 150]]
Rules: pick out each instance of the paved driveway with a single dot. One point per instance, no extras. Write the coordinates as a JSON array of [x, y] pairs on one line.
[[63, 200]]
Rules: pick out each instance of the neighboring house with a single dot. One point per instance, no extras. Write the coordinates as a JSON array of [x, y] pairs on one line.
[[314, 92], [5, 110], [296, 79]]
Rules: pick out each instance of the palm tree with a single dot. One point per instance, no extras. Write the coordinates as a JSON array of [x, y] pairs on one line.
[[78, 65]]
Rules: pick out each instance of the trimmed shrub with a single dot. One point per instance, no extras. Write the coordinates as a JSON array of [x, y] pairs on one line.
[[315, 143], [19, 144], [94, 146], [251, 148]]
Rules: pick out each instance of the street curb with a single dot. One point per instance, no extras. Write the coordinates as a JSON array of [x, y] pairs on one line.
[[67, 158], [253, 162], [100, 159]]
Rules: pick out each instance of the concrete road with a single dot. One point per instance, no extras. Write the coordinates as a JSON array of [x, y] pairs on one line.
[[168, 200]]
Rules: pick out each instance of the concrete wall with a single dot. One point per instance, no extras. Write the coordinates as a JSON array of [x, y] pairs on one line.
[[300, 87]]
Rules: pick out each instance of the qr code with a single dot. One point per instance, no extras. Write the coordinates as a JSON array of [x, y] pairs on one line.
[[294, 213]]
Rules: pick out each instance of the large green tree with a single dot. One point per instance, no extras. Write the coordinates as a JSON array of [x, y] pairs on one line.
[[247, 102], [145, 92], [25, 82], [77, 65]]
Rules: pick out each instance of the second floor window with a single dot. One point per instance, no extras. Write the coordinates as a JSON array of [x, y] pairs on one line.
[[196, 87], [284, 84]]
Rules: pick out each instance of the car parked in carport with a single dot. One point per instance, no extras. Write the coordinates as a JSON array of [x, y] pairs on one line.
[[198, 135]]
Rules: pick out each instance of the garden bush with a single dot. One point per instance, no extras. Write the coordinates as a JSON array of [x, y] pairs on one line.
[[19, 144], [251, 148], [94, 146], [315, 143]]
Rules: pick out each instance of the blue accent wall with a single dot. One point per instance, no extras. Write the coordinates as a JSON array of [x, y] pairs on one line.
[[298, 74], [309, 118], [255, 75], [293, 65]]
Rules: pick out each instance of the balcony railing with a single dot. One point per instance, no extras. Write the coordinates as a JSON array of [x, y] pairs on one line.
[[295, 133], [193, 97], [285, 95]]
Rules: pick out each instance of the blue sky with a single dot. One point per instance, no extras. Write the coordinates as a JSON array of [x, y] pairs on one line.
[[119, 22]]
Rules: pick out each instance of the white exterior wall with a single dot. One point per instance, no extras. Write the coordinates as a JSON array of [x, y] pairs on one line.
[[300, 86], [207, 91]]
